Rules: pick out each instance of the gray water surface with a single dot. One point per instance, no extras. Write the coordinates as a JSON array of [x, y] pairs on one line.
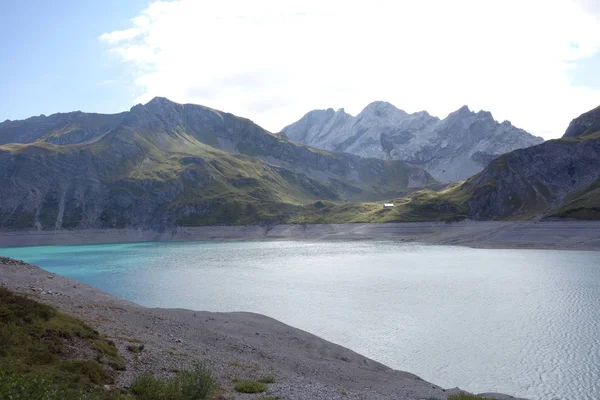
[[522, 322]]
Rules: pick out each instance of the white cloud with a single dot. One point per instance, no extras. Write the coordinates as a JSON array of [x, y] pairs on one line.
[[120, 36], [272, 61]]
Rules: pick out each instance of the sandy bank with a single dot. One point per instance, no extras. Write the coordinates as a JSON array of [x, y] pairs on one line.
[[243, 345], [567, 235]]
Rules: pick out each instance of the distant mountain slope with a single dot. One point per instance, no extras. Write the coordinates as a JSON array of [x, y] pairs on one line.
[[558, 178], [533, 181], [61, 128], [164, 164], [451, 149]]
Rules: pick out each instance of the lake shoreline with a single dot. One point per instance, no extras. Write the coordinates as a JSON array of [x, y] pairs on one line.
[[557, 235], [241, 344]]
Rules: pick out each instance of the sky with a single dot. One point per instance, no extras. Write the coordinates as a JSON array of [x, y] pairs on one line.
[[535, 63]]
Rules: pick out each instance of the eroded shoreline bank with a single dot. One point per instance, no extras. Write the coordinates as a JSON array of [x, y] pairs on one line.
[[561, 235]]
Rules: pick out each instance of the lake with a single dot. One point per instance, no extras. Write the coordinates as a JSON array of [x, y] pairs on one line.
[[521, 322]]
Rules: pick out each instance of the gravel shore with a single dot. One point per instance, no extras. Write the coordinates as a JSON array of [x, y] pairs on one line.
[[243, 345], [564, 235]]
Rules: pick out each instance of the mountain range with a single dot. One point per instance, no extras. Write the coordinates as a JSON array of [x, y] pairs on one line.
[[556, 179], [164, 164], [451, 149]]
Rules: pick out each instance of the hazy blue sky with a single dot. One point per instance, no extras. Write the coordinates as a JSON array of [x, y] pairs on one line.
[[52, 59], [532, 62]]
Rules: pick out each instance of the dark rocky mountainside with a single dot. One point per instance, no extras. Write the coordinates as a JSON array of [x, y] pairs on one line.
[[451, 149], [165, 164], [538, 180], [559, 178], [584, 124]]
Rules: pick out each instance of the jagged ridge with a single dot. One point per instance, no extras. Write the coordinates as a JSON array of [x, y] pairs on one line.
[[451, 149]]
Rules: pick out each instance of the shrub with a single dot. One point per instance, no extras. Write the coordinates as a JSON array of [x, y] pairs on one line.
[[147, 387], [247, 386], [135, 349], [197, 384], [267, 379], [109, 350]]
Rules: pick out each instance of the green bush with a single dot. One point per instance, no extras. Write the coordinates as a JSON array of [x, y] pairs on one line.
[[147, 387], [135, 349], [267, 379], [109, 350], [197, 384], [247, 386], [82, 370]]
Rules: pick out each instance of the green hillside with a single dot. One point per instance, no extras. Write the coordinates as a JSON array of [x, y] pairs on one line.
[[168, 164]]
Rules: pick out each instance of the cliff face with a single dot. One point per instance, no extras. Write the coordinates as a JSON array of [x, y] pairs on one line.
[[451, 149], [166, 164]]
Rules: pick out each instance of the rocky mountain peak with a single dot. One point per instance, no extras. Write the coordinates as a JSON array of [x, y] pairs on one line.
[[485, 115], [465, 113], [160, 100], [464, 110], [161, 105], [451, 149], [380, 109]]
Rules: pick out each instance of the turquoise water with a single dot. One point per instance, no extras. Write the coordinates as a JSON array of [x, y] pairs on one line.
[[523, 322]]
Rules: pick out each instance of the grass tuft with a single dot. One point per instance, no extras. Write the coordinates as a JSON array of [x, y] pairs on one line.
[[267, 379], [198, 384], [248, 386]]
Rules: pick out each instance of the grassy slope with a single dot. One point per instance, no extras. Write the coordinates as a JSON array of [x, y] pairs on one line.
[[234, 188], [419, 206], [47, 355], [42, 349], [581, 204]]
